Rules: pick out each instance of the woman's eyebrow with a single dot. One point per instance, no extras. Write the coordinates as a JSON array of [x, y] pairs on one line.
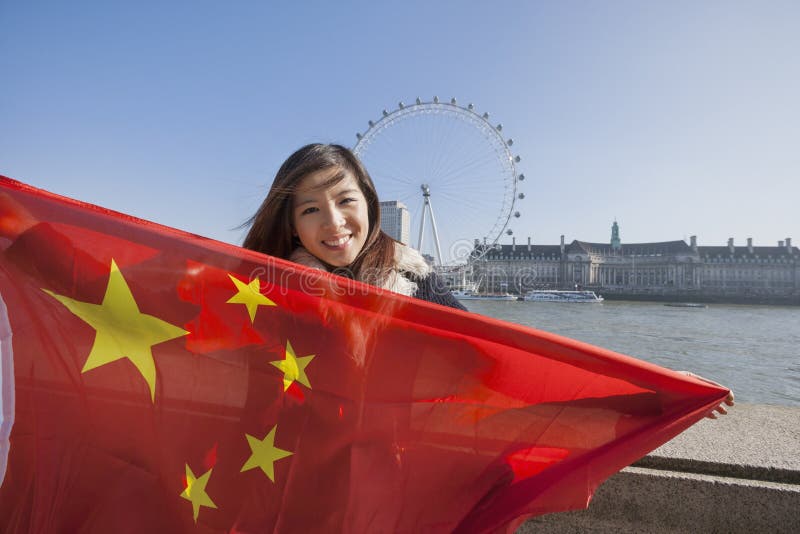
[[349, 191], [303, 202]]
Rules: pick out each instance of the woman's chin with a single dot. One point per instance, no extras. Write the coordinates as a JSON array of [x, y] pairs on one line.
[[337, 257], [338, 260]]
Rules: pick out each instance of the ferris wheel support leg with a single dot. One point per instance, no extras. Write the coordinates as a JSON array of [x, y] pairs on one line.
[[435, 234], [421, 228]]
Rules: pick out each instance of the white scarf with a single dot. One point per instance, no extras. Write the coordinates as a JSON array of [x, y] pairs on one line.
[[406, 260]]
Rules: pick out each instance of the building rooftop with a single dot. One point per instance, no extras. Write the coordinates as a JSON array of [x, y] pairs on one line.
[[662, 248], [744, 252], [522, 251]]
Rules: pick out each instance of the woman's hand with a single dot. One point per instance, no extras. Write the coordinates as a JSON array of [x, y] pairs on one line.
[[720, 409]]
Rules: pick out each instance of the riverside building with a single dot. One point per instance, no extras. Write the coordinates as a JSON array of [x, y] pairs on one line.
[[396, 221], [666, 270]]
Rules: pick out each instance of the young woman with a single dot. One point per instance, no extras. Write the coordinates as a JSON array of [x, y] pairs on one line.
[[322, 211]]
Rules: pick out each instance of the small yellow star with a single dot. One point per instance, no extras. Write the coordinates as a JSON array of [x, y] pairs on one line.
[[250, 295], [293, 368], [195, 491], [122, 331], [264, 453]]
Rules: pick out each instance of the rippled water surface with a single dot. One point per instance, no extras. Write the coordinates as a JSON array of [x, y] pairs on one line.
[[755, 350]]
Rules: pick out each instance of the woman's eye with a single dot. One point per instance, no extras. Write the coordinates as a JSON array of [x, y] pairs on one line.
[[308, 210], [347, 200]]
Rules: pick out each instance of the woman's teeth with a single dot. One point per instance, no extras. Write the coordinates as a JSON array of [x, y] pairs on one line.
[[338, 242]]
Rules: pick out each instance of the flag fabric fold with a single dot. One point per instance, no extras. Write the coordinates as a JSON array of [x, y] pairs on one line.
[[153, 379]]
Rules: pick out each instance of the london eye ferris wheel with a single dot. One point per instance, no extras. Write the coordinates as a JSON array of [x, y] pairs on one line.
[[452, 168]]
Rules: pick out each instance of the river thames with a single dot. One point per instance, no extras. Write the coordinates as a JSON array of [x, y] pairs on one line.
[[754, 350]]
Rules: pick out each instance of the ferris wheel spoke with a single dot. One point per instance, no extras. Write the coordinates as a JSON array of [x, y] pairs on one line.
[[477, 177], [402, 168], [483, 195], [466, 166], [399, 179], [469, 203], [430, 140], [437, 141], [447, 147], [468, 150], [471, 158], [459, 151], [476, 173], [395, 170]]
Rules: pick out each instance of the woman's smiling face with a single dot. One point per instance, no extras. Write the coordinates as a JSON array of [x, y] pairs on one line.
[[331, 222]]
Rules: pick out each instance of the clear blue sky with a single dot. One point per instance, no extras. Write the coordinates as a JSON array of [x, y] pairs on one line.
[[677, 118]]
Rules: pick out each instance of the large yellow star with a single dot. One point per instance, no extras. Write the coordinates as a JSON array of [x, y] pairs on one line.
[[195, 491], [264, 453], [122, 330], [250, 295], [293, 368]]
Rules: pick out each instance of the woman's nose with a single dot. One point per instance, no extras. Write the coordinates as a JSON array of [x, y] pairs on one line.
[[334, 218]]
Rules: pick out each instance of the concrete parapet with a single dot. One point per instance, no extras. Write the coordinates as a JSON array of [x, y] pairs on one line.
[[740, 473]]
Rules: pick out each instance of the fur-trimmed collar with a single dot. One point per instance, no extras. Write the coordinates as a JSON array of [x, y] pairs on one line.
[[406, 261]]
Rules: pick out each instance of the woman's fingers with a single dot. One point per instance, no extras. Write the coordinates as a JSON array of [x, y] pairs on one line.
[[720, 409]]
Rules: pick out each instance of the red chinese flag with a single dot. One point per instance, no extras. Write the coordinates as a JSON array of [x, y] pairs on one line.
[[156, 381]]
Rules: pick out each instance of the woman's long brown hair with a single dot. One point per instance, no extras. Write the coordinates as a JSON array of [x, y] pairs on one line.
[[271, 230]]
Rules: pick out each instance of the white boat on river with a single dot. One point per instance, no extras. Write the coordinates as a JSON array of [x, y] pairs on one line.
[[552, 295]]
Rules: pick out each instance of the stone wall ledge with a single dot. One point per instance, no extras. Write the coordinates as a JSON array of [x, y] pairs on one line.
[[740, 473], [743, 471], [700, 297]]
